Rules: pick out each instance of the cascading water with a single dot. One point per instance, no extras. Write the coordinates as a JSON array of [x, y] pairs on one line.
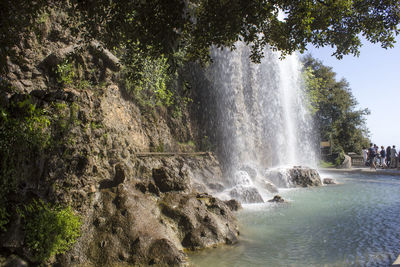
[[260, 117]]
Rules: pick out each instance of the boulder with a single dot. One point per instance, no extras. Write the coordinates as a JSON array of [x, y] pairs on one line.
[[329, 181], [246, 194], [251, 171], [270, 186], [346, 164], [304, 176], [277, 199]]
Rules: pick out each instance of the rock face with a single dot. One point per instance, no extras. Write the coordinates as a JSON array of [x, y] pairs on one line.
[[151, 217], [141, 225], [136, 210], [168, 181]]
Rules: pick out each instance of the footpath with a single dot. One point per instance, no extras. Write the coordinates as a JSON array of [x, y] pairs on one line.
[[362, 170]]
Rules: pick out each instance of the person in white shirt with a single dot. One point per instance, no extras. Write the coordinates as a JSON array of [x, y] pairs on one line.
[[365, 154]]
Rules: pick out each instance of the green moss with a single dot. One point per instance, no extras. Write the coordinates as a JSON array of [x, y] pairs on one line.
[[95, 125], [50, 230]]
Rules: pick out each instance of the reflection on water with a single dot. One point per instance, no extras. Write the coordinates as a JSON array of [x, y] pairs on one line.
[[355, 223]]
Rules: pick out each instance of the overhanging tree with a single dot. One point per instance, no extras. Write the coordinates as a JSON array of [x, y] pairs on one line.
[[160, 27]]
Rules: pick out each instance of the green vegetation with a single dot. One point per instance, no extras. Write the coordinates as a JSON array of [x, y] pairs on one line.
[[151, 83], [50, 230], [66, 73], [334, 108], [27, 132], [188, 146], [24, 132], [160, 27], [146, 80], [326, 164]]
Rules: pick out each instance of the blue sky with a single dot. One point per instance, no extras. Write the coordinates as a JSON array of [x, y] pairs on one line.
[[374, 78]]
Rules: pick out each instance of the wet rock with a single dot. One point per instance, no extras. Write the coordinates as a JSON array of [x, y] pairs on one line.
[[163, 252], [218, 187], [270, 186], [277, 199], [304, 176], [246, 194], [168, 180], [279, 178], [329, 181], [199, 187], [233, 204], [251, 171], [204, 221]]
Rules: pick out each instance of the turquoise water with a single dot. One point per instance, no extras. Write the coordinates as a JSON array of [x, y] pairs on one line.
[[355, 223]]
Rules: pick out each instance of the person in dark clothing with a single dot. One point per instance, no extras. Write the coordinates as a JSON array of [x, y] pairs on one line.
[[383, 157], [371, 156], [388, 156]]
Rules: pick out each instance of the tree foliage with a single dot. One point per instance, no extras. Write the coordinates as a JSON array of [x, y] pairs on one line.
[[163, 27], [335, 108]]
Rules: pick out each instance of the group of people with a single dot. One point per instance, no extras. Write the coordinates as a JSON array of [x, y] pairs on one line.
[[381, 157]]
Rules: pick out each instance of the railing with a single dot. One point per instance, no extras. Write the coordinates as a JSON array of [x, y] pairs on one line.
[[357, 160], [168, 154]]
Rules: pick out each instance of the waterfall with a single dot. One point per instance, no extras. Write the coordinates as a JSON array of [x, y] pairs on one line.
[[256, 112]]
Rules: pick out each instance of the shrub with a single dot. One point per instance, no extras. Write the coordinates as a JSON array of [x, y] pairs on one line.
[[152, 82], [50, 230], [66, 73]]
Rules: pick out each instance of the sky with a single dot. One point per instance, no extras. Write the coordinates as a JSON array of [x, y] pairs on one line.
[[374, 79]]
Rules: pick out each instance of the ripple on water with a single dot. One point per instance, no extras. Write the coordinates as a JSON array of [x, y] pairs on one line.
[[356, 223]]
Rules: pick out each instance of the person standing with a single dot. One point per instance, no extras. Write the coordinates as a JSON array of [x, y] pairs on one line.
[[393, 157], [388, 156], [383, 157], [371, 156], [365, 155], [377, 156]]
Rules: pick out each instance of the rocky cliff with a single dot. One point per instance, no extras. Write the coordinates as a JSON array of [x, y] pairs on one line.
[[73, 136]]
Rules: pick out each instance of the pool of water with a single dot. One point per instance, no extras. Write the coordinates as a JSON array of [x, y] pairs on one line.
[[354, 223]]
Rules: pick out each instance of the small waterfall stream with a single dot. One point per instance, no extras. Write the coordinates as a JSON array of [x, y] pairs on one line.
[[260, 117]]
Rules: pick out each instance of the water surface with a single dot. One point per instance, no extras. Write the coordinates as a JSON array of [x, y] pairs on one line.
[[355, 223]]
